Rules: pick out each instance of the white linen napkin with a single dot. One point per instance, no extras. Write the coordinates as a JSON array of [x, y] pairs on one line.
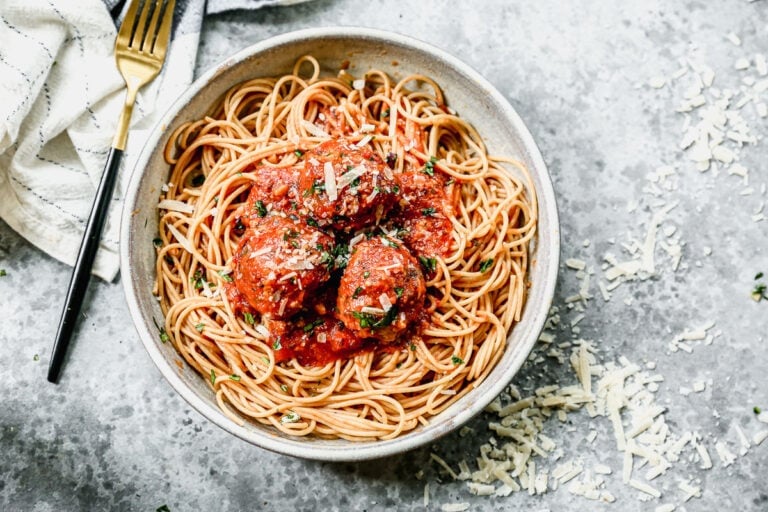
[[61, 98]]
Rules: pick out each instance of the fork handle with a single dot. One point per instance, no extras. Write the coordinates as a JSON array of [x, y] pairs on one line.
[[81, 274]]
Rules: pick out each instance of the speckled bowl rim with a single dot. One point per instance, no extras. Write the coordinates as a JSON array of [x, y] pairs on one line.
[[543, 273]]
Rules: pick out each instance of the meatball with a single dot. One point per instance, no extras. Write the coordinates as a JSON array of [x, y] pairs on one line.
[[344, 186], [275, 190], [382, 290], [279, 263], [423, 214]]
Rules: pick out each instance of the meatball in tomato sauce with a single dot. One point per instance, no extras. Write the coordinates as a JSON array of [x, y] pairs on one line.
[[279, 264], [423, 214], [345, 187], [274, 190], [382, 290]]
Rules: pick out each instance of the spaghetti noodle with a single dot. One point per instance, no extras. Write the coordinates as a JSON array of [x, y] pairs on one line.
[[240, 174]]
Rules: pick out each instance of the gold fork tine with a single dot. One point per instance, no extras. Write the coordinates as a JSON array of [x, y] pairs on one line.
[[139, 55], [126, 28], [161, 45], [138, 36], [150, 40]]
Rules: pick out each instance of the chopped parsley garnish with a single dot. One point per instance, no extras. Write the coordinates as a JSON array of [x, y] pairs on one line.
[[428, 211], [248, 317], [290, 234], [284, 388], [163, 335], [298, 153], [756, 410], [200, 327], [36, 357], [277, 345], [157, 242], [485, 265], [429, 167], [234, 377], [366, 274], [399, 291], [758, 276], [390, 243], [371, 321], [385, 112], [310, 327], [197, 280], [429, 264], [396, 189], [239, 226], [291, 417], [161, 508], [198, 180], [213, 376], [261, 210], [758, 293], [355, 182], [312, 222], [357, 292], [225, 276], [317, 186], [457, 360], [412, 346]]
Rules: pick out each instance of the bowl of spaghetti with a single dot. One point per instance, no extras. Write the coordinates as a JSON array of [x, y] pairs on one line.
[[340, 244]]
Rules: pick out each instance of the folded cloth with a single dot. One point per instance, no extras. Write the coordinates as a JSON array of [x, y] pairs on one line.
[[62, 96]]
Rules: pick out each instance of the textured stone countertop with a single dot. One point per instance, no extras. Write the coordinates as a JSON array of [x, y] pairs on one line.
[[587, 79]]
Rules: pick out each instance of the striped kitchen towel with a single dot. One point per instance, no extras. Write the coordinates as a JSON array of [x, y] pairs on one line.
[[61, 97]]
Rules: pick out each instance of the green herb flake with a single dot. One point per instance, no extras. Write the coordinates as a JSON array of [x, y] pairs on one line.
[[248, 317], [157, 242], [428, 211], [485, 265], [366, 274], [371, 321], [225, 276], [457, 360], [265, 359], [213, 376], [197, 280], [758, 293], [200, 327], [290, 417], [386, 241], [36, 357], [759, 275], [756, 410], [298, 153], [385, 113], [284, 388], [429, 264], [357, 292], [161, 508], [3, 273], [312, 222], [234, 377], [277, 345], [412, 346], [429, 167], [261, 209], [399, 291], [310, 327], [164, 335]]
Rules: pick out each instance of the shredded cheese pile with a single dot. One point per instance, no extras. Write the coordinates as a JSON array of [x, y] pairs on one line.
[[618, 395]]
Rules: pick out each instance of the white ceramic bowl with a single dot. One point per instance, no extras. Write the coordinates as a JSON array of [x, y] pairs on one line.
[[466, 91]]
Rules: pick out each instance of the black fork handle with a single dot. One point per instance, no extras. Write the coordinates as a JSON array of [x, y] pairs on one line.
[[81, 273]]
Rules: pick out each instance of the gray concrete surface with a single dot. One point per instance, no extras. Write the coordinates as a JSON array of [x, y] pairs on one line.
[[114, 436]]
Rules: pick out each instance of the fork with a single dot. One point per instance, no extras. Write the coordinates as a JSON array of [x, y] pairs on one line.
[[140, 49]]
